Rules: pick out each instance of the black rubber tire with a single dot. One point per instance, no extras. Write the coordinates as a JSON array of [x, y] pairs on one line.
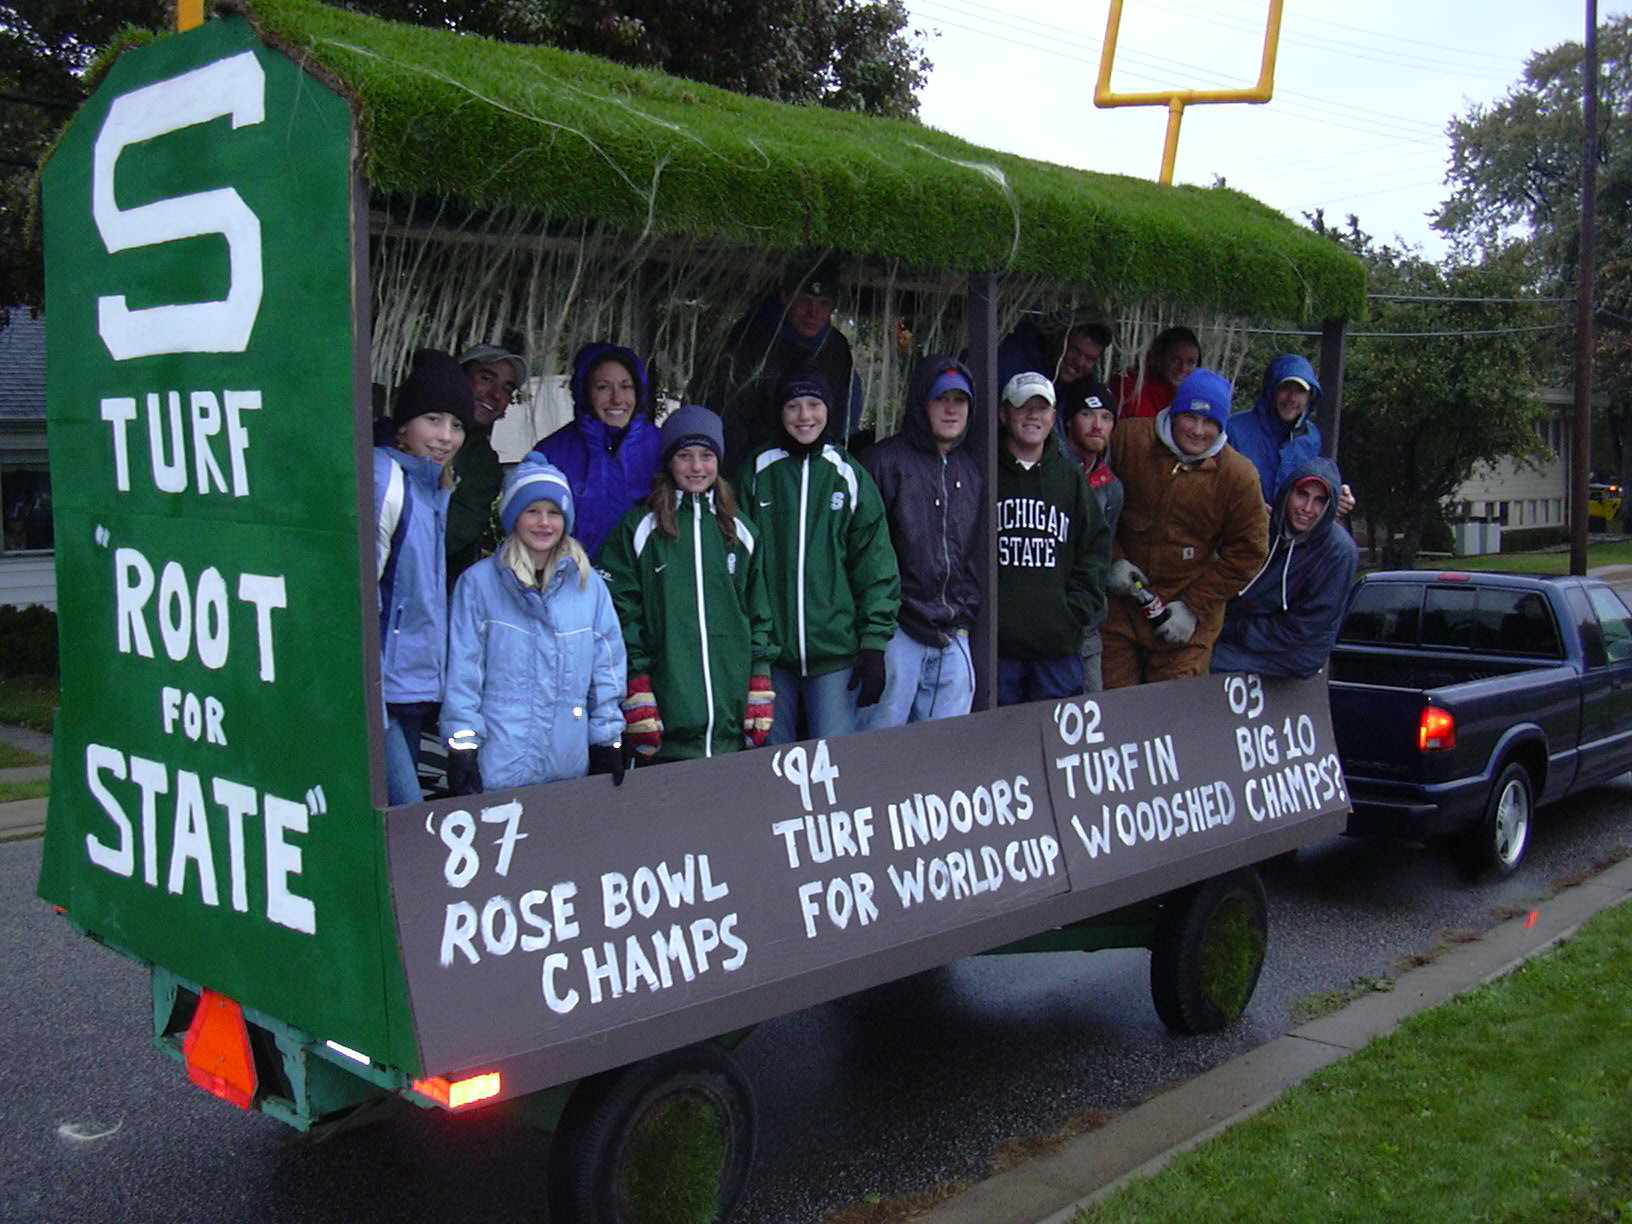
[[1495, 846], [1224, 914], [588, 1152]]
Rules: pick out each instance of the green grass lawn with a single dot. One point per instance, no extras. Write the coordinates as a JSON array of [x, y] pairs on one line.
[[1618, 552], [28, 701], [1510, 1103], [19, 758], [13, 792]]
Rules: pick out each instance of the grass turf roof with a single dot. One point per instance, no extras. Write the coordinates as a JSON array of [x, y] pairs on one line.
[[497, 124]]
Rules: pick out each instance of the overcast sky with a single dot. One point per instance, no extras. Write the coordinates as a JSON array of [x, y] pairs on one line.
[[1363, 92]]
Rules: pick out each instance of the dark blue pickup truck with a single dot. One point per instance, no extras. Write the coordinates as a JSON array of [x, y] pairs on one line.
[[1461, 702]]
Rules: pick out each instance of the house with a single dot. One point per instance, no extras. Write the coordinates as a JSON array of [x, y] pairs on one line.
[[27, 565], [1510, 494]]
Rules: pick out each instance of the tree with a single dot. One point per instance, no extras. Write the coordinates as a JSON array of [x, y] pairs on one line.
[[1422, 411], [848, 54], [1517, 163]]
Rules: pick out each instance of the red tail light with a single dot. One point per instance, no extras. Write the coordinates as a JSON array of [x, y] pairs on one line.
[[1436, 730]]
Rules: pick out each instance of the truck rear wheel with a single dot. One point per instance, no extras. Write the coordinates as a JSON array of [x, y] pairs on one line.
[[1497, 843], [1207, 952], [665, 1141]]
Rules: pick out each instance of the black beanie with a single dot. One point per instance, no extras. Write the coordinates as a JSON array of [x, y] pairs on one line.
[[435, 383]]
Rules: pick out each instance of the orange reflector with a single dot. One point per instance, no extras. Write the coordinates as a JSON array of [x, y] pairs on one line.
[[216, 1050], [1436, 730], [467, 1091]]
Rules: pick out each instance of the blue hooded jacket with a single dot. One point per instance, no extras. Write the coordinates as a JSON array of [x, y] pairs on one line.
[[536, 674], [1275, 448], [413, 586], [609, 470], [1286, 620]]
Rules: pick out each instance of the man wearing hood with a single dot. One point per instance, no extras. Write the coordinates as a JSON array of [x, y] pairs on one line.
[[1194, 531], [789, 330], [1286, 620], [1278, 433], [1053, 547], [495, 375], [933, 498], [610, 451]]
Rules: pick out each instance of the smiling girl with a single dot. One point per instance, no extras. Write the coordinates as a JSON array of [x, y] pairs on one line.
[[535, 653], [411, 482], [686, 581], [609, 451]]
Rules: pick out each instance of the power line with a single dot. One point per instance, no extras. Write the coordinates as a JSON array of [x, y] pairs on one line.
[[1522, 301]]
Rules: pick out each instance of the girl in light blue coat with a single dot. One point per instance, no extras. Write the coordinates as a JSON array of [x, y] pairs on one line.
[[536, 669]]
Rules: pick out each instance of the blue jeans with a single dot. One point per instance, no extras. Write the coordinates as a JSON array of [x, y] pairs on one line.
[[923, 682], [1021, 680], [402, 727], [829, 704]]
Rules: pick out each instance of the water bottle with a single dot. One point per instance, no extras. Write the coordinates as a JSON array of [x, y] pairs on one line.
[[1155, 609]]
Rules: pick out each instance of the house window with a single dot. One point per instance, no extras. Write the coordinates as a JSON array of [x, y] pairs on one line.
[[25, 504]]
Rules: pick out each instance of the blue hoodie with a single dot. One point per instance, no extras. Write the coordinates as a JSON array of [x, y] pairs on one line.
[[413, 585], [1275, 448], [610, 470], [1286, 620]]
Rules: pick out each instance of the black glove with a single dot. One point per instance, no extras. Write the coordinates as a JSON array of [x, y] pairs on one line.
[[867, 676], [609, 759], [464, 778]]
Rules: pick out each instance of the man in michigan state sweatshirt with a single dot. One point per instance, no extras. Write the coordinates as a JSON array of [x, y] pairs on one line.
[[1053, 548]]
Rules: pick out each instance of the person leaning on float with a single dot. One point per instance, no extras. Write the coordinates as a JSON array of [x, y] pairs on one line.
[[536, 672], [1194, 531], [829, 568], [412, 479], [685, 573]]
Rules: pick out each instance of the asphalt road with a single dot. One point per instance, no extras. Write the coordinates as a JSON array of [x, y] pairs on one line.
[[885, 1093]]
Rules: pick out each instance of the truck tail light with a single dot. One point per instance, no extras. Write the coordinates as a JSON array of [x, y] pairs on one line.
[[1436, 730], [460, 1092]]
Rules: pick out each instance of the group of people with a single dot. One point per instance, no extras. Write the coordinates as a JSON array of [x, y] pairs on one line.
[[640, 606]]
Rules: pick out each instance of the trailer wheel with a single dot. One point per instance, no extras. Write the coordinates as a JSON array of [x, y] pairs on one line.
[[1207, 952], [665, 1141], [1497, 843]]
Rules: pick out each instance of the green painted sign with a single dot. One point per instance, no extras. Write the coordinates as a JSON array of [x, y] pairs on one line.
[[213, 803]]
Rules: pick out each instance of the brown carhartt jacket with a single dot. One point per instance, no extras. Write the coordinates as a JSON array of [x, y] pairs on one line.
[[1199, 531]]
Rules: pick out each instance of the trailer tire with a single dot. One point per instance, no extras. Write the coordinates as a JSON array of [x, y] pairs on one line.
[[1208, 950], [1496, 844], [669, 1139]]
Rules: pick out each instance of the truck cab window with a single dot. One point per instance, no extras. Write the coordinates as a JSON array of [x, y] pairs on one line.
[[1615, 622], [1515, 622], [1385, 613], [1448, 616]]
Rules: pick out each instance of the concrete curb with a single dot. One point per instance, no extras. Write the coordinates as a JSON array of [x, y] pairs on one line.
[[1053, 1188], [25, 818]]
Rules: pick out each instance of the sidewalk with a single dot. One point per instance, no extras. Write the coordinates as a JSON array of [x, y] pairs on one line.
[[25, 818], [1051, 1189]]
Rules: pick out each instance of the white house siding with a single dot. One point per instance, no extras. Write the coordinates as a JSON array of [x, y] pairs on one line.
[[28, 578]]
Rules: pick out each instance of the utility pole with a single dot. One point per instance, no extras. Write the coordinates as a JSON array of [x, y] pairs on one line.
[[1584, 276]]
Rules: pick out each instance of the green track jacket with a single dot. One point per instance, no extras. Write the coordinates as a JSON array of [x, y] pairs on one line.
[[1053, 549], [694, 618], [829, 565]]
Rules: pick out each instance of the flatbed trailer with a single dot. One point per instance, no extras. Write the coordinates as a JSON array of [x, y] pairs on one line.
[[579, 954]]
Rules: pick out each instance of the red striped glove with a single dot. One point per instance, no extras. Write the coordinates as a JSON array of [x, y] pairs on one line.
[[757, 714], [642, 724]]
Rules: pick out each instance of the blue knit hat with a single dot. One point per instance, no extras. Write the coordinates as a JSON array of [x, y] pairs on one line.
[[534, 479], [693, 425], [1203, 392]]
